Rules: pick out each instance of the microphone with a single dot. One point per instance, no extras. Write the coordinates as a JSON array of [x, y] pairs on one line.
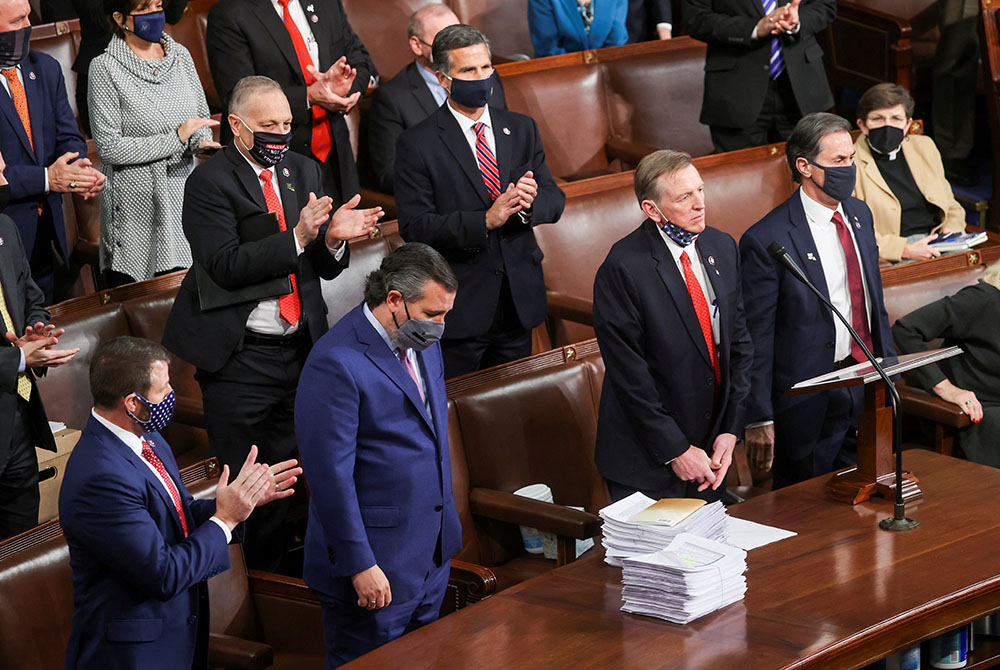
[[898, 521]]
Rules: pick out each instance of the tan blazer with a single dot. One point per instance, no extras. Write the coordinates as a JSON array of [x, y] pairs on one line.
[[924, 160]]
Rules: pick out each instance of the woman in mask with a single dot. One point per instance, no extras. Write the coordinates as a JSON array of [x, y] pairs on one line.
[[901, 178], [148, 119], [565, 26]]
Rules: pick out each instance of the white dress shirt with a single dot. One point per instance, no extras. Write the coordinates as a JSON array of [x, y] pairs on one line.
[[469, 133], [300, 21], [699, 273], [831, 257], [134, 443], [6, 87], [437, 90], [410, 354], [266, 316]]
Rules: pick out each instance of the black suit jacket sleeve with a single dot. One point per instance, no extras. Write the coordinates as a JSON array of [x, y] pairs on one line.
[[740, 365], [550, 201], [33, 303], [227, 47], [356, 53], [385, 125], [661, 12], [705, 23], [620, 328], [760, 298]]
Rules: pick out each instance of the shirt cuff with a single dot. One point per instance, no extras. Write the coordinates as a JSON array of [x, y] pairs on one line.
[[664, 24], [23, 364], [298, 247], [338, 251], [46, 172], [224, 527], [759, 424]]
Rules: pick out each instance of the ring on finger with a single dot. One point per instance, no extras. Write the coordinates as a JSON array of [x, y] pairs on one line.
[[72, 184]]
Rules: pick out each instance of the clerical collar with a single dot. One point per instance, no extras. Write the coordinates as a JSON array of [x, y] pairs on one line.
[[878, 155]]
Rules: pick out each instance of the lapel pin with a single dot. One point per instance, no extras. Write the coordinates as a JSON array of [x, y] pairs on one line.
[[810, 256], [1, 241], [314, 18], [309, 8], [289, 186], [506, 131], [285, 172], [711, 260], [31, 76], [717, 272], [857, 224]]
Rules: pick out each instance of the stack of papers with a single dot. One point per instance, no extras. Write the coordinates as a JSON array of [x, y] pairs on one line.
[[692, 577], [630, 530], [958, 241]]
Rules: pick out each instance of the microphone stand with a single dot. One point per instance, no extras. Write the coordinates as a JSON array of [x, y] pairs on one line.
[[898, 521]]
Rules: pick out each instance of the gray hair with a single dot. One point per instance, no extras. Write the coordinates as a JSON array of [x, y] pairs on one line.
[[806, 140], [415, 26], [248, 88], [407, 269], [454, 37], [652, 166]]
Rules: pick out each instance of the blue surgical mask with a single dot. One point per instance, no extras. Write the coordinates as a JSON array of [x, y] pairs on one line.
[[160, 413], [839, 182], [417, 334], [149, 27], [675, 232], [473, 93]]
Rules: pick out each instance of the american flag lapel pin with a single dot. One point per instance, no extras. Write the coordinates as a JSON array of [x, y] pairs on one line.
[[309, 8], [506, 131], [285, 172], [810, 256]]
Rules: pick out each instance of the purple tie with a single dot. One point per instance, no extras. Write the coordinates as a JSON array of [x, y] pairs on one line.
[[777, 64], [413, 373]]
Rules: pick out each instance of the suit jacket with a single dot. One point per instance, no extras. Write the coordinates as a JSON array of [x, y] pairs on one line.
[[382, 461], [658, 394], [247, 37], [736, 66], [398, 104], [139, 588], [53, 132], [643, 15], [556, 26], [441, 200], [792, 331], [924, 160], [25, 303], [219, 194]]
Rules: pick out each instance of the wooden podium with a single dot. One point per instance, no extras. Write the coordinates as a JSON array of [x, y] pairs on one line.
[[875, 473]]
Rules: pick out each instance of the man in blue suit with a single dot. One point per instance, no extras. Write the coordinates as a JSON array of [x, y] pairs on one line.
[[45, 153], [141, 548], [829, 234], [372, 420]]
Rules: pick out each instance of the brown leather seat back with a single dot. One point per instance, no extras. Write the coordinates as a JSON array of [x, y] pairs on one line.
[[738, 193], [190, 31], [346, 290], [504, 22], [903, 298], [555, 98], [36, 590], [382, 29], [58, 40], [655, 98], [232, 608], [66, 389], [460, 488]]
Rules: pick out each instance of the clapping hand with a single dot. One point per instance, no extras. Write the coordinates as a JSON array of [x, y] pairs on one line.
[[349, 222], [332, 89], [37, 343]]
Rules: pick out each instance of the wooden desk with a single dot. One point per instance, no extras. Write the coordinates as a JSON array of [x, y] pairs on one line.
[[839, 595]]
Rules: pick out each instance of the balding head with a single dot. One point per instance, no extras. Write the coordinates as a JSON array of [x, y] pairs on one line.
[[423, 26], [14, 15]]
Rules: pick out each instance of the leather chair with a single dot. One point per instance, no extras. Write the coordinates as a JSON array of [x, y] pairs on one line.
[[504, 23], [382, 29], [346, 291], [190, 31], [60, 40]]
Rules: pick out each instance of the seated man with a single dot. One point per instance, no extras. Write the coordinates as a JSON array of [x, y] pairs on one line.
[[901, 178], [413, 94]]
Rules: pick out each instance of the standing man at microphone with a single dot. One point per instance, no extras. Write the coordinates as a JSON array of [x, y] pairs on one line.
[[828, 234]]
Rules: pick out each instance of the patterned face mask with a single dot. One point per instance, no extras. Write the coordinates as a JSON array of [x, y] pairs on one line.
[[160, 413], [675, 232]]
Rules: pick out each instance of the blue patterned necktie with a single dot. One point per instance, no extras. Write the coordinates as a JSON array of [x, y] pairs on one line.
[[777, 65]]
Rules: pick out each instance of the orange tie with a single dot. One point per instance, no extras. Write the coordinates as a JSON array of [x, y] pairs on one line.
[[20, 101], [288, 304]]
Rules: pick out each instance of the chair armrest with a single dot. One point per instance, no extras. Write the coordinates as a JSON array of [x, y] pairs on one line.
[[570, 308], [544, 516], [231, 652], [928, 406], [626, 151], [471, 583]]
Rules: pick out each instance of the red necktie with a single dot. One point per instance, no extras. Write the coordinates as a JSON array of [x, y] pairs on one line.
[[321, 138], [289, 305], [701, 309], [154, 460], [487, 161], [413, 373], [859, 316]]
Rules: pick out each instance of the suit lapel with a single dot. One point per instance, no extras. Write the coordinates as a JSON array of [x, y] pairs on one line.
[[33, 93], [719, 278], [419, 90], [451, 137], [431, 368], [504, 148], [569, 6], [174, 474], [274, 26], [805, 247], [386, 361], [320, 26], [7, 105], [11, 292], [246, 175], [599, 27], [872, 173], [287, 189], [869, 259], [666, 268]]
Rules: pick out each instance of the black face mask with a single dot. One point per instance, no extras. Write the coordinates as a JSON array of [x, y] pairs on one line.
[[839, 181], [474, 93], [4, 196], [885, 139], [14, 46], [268, 148]]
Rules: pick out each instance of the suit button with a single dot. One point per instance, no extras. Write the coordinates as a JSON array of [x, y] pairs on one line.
[[193, 619], [438, 508], [498, 272], [829, 345], [709, 381], [708, 415]]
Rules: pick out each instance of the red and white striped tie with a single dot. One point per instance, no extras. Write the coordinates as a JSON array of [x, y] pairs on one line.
[[487, 162]]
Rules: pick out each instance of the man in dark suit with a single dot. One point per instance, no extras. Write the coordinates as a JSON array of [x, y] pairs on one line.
[[45, 153], [471, 181], [649, 20], [413, 94], [140, 546], [23, 424], [248, 354], [310, 49], [669, 319], [372, 419], [829, 234], [763, 69]]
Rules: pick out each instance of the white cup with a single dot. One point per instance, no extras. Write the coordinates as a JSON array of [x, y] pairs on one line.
[[536, 542]]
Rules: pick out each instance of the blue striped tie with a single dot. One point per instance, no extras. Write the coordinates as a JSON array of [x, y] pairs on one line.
[[777, 65]]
